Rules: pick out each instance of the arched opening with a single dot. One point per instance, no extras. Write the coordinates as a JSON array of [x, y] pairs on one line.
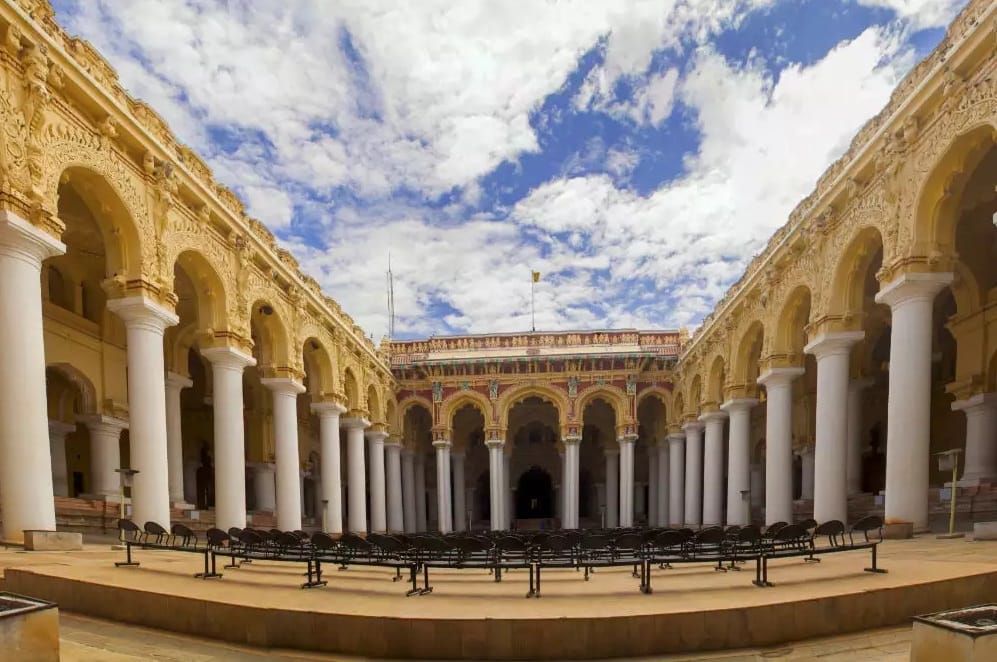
[[534, 495], [533, 437], [417, 435]]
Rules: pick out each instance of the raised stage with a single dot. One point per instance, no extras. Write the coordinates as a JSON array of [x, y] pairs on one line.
[[363, 612]]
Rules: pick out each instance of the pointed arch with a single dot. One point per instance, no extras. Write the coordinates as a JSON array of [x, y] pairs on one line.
[[476, 399], [318, 366], [789, 336], [271, 347], [848, 286], [550, 394], [614, 396], [209, 289], [745, 365]]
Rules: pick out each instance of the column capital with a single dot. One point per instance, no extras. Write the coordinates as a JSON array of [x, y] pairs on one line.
[[283, 385], [495, 443], [779, 376], [913, 287], [376, 435], [354, 422], [100, 422], [739, 404], [227, 357], [805, 450], [328, 409], [626, 439], [142, 312], [177, 381], [976, 402], [713, 416], [694, 426], [23, 240], [829, 344], [59, 428], [675, 438], [442, 443], [572, 439]]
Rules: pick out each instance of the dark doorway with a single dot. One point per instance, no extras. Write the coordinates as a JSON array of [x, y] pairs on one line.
[[535, 495]]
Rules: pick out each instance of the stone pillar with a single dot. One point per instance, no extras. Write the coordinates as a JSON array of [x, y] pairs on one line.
[[652, 485], [145, 321], [713, 468], [676, 480], [105, 454], [612, 488], [190, 467], [444, 504], [559, 493], [757, 484], [375, 465], [264, 487], [422, 519], [980, 463], [831, 452], [854, 436], [627, 480], [779, 443], [807, 473], [174, 437], [332, 473], [285, 431], [26, 495], [408, 490], [393, 471], [227, 365], [570, 481], [738, 459], [495, 483], [661, 448], [356, 481], [910, 298], [57, 431], [459, 492], [509, 505], [693, 474]]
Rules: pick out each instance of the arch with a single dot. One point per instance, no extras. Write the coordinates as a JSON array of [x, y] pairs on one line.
[[413, 401], [450, 406], [374, 405], [555, 396], [695, 396], [115, 220], [790, 336], [180, 340], [677, 411], [351, 389], [209, 288], [848, 285], [744, 371], [83, 385], [937, 207], [659, 393], [390, 415], [270, 337], [714, 395], [614, 396], [318, 367]]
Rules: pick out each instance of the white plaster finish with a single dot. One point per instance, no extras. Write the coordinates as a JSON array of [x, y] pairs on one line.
[[422, 519], [459, 492], [175, 383], [285, 431], [57, 431], [664, 488], [444, 505], [105, 453], [693, 515], [910, 298], [408, 490], [807, 467], [627, 480], [778, 384], [832, 352], [264, 486], [332, 474], [652, 485], [738, 458], [713, 468], [145, 322], [375, 465], [570, 481], [495, 485], [612, 487], [393, 487], [980, 459], [356, 480], [854, 474], [676, 479]]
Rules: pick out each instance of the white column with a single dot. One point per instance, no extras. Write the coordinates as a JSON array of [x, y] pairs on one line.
[[757, 484], [356, 481], [676, 479], [105, 454], [910, 298], [779, 443], [227, 365], [174, 438], [713, 468], [807, 473], [26, 494], [831, 453], [693, 474], [652, 484], [443, 502], [393, 489], [375, 465], [495, 484], [285, 428], [663, 483], [331, 469], [408, 489], [145, 322], [422, 520], [980, 464], [627, 480], [460, 493], [562, 501], [612, 487], [264, 487], [57, 431], [854, 452], [738, 458], [508, 506], [569, 484]]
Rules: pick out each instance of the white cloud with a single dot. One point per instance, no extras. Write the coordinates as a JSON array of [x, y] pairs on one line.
[[921, 14]]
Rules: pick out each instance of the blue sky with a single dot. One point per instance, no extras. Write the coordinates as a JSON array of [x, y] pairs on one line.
[[636, 153]]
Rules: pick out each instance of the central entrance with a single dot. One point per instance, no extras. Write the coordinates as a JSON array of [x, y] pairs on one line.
[[535, 495]]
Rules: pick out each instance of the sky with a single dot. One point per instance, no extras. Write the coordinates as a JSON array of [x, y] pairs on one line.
[[635, 153]]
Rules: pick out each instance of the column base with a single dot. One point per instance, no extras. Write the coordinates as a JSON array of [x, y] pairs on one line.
[[898, 530], [52, 541], [182, 505]]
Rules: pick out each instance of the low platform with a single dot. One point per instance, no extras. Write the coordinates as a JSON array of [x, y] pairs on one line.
[[363, 612]]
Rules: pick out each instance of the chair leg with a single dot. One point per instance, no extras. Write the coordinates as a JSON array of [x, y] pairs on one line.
[[874, 567], [645, 580], [128, 557]]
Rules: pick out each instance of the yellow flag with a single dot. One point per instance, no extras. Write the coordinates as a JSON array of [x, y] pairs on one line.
[[536, 276]]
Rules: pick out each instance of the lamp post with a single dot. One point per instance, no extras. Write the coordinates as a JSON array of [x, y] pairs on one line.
[[126, 475], [949, 460]]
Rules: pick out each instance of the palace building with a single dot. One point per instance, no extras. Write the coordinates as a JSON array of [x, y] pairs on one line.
[[148, 324]]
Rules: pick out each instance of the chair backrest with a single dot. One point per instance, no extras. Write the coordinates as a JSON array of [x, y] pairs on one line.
[[234, 531], [510, 544], [628, 542], [155, 529], [774, 528], [183, 532], [867, 524], [323, 541], [711, 536], [218, 538], [791, 533], [809, 524], [833, 529], [670, 540], [252, 538], [749, 535]]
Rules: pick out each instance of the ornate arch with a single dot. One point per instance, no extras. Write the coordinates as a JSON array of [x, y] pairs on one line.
[[694, 396], [745, 363], [318, 364], [83, 384], [550, 394], [374, 408], [273, 353], [716, 377], [211, 289], [659, 392], [845, 293], [452, 404], [614, 396], [785, 328]]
